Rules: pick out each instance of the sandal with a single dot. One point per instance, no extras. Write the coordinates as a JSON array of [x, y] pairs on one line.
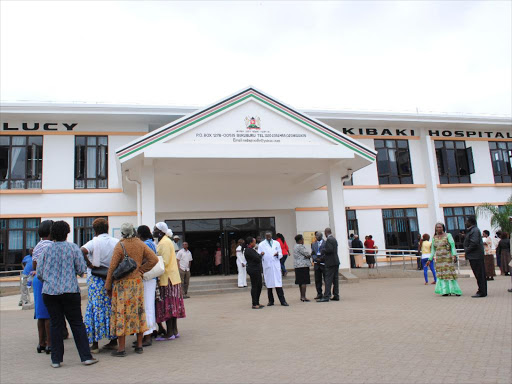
[[118, 353], [139, 350]]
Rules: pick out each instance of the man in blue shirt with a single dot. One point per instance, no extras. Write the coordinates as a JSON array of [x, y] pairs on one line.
[[26, 278]]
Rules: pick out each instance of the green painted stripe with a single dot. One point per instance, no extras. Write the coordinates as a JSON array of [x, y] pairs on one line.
[[239, 101]]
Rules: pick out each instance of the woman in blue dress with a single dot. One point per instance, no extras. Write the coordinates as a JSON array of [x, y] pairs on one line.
[[40, 311]]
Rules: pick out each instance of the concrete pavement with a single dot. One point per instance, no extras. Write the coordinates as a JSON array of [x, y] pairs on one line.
[[383, 331]]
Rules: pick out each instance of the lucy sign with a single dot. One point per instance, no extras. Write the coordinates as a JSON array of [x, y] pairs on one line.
[[39, 126]]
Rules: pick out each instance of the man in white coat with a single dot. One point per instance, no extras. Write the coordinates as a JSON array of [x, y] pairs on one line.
[[271, 252]]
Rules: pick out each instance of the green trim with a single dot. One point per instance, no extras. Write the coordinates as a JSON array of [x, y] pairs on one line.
[[237, 102]]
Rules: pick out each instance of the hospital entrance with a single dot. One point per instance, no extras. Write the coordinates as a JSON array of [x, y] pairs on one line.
[[206, 236]]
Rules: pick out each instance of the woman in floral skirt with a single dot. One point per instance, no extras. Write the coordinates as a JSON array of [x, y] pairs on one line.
[[128, 314], [443, 248]]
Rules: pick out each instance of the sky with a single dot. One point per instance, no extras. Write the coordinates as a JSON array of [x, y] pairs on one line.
[[406, 56]]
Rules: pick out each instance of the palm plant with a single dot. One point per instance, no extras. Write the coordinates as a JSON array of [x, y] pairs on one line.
[[499, 215]]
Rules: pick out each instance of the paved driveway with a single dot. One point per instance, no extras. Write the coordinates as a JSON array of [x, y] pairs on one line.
[[383, 331]]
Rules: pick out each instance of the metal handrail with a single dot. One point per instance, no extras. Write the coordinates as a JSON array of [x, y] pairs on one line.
[[403, 253]]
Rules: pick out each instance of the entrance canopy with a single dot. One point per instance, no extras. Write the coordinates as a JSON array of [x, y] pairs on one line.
[[251, 125], [245, 152]]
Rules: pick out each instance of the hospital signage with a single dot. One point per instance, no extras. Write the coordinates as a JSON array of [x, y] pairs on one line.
[[431, 132], [470, 134], [39, 127]]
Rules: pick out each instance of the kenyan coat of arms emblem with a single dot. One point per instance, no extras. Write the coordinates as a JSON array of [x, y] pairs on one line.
[[252, 122]]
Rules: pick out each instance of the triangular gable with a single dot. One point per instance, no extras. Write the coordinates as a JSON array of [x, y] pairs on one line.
[[188, 122]]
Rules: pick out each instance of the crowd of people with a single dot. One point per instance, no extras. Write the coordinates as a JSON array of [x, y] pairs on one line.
[[131, 290]]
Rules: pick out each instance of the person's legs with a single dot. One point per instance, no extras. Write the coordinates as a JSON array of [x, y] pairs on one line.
[[425, 269], [56, 311], [336, 282], [182, 277], [300, 290], [433, 269], [48, 332], [352, 261], [280, 295], [241, 283], [121, 341], [259, 287], [255, 294], [479, 271], [328, 276], [187, 282], [169, 326], [270, 296], [174, 321], [41, 332], [318, 280], [25, 296], [73, 311]]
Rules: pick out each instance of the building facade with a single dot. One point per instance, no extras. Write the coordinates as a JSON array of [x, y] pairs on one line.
[[242, 166]]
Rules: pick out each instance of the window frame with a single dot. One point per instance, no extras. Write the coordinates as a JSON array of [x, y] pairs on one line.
[[4, 232], [444, 165], [352, 222], [87, 236], [464, 216], [505, 176], [84, 177], [28, 168], [392, 145], [411, 235]]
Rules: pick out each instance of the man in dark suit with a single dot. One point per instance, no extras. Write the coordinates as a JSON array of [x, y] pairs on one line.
[[474, 250], [332, 265], [319, 265]]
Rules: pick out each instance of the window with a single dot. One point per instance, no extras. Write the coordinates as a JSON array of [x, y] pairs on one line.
[[454, 161], [400, 227], [17, 236], [393, 162], [21, 162], [91, 162], [501, 157], [455, 218], [82, 229], [352, 226]]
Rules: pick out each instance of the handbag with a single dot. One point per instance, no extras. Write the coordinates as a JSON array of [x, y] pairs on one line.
[[157, 271], [100, 272], [126, 266]]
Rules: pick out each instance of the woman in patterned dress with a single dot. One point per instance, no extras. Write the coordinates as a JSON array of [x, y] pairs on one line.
[[443, 248], [127, 294]]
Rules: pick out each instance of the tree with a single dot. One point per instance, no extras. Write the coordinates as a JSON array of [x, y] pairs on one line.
[[499, 215]]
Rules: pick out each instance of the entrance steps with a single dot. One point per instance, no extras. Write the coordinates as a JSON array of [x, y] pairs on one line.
[[211, 285]]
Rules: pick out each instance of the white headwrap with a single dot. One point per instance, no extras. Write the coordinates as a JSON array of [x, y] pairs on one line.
[[164, 228]]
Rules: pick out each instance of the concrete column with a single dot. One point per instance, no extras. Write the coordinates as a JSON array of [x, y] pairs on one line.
[[337, 216], [148, 193], [431, 179]]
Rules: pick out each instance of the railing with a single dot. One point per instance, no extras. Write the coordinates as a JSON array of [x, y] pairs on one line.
[[396, 253]]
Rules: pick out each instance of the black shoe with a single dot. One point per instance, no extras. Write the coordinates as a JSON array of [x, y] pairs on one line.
[[118, 354], [335, 298], [478, 296], [139, 350], [285, 304], [509, 290], [48, 350], [40, 348], [318, 297], [270, 304], [323, 300]]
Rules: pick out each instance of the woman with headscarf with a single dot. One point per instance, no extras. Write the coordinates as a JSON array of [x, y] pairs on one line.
[[443, 248], [40, 311], [169, 304], [127, 293], [144, 233]]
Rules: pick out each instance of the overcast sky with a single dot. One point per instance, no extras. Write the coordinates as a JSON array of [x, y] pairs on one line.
[[381, 56]]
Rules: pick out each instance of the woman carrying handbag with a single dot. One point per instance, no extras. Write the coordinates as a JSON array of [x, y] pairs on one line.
[[131, 259]]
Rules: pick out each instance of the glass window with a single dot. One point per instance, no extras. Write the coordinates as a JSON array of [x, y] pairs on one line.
[[202, 225], [352, 226], [17, 236], [82, 229], [21, 162], [393, 162], [240, 224], [455, 219], [454, 161], [400, 227], [501, 158], [91, 162]]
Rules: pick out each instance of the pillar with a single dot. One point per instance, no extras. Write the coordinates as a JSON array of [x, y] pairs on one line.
[[337, 216], [148, 193]]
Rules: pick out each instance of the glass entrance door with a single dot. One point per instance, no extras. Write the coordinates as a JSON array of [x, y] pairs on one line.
[[206, 236]]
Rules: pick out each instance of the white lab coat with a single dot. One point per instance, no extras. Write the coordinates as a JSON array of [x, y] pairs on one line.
[[271, 264], [242, 270]]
